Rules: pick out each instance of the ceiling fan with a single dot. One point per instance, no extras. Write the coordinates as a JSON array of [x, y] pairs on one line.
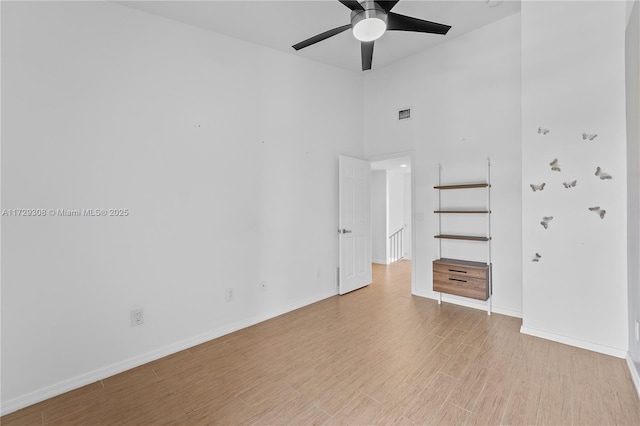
[[369, 21]]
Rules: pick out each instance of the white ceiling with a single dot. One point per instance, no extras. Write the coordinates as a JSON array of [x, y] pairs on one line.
[[280, 24]]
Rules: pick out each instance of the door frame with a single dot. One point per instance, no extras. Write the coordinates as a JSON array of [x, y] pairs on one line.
[[412, 155]]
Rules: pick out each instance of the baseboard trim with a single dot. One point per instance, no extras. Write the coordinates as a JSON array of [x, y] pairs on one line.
[[634, 373], [470, 304], [45, 393], [583, 344]]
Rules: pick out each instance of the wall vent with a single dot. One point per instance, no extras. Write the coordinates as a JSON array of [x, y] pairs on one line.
[[404, 114]]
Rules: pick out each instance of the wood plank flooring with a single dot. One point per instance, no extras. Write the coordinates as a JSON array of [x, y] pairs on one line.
[[374, 356]]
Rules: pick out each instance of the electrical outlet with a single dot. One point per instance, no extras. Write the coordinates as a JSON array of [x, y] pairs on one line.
[[263, 286], [137, 317], [228, 294], [637, 331]]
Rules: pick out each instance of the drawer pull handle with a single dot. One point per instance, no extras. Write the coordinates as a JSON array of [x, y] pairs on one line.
[[455, 270], [454, 279]]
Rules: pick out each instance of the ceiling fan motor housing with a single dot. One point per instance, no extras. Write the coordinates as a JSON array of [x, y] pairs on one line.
[[375, 23]]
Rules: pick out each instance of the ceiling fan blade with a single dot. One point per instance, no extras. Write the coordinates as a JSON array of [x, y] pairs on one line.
[[387, 5], [366, 47], [323, 36], [396, 22], [352, 4]]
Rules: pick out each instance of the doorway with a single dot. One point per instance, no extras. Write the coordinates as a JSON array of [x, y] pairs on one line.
[[391, 207]]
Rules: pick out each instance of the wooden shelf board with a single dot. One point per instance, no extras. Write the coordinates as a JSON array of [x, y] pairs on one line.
[[462, 211], [462, 237], [463, 186], [449, 261]]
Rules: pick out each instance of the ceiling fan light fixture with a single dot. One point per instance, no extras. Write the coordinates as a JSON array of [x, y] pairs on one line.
[[369, 24], [369, 29]]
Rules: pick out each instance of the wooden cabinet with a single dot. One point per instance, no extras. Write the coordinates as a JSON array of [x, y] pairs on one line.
[[462, 278]]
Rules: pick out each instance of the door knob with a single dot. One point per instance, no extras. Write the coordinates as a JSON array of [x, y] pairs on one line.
[[344, 231]]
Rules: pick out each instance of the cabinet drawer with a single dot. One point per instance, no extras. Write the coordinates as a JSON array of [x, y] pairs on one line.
[[461, 270], [471, 287]]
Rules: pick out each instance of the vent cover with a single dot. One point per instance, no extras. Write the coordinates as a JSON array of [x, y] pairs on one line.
[[404, 114]]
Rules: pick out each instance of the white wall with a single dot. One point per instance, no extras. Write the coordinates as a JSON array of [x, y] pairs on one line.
[[571, 83], [407, 216], [395, 185], [218, 148], [632, 63], [379, 216], [465, 98], [395, 200]]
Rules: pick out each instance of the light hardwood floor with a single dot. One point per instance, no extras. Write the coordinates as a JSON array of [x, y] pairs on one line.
[[374, 356]]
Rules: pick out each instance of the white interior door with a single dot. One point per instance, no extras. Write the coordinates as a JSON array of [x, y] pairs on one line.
[[355, 224]]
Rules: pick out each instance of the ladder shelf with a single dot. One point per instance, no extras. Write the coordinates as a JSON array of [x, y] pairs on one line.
[[454, 281]]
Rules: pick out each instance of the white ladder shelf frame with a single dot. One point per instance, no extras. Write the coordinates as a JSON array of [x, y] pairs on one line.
[[488, 188]]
